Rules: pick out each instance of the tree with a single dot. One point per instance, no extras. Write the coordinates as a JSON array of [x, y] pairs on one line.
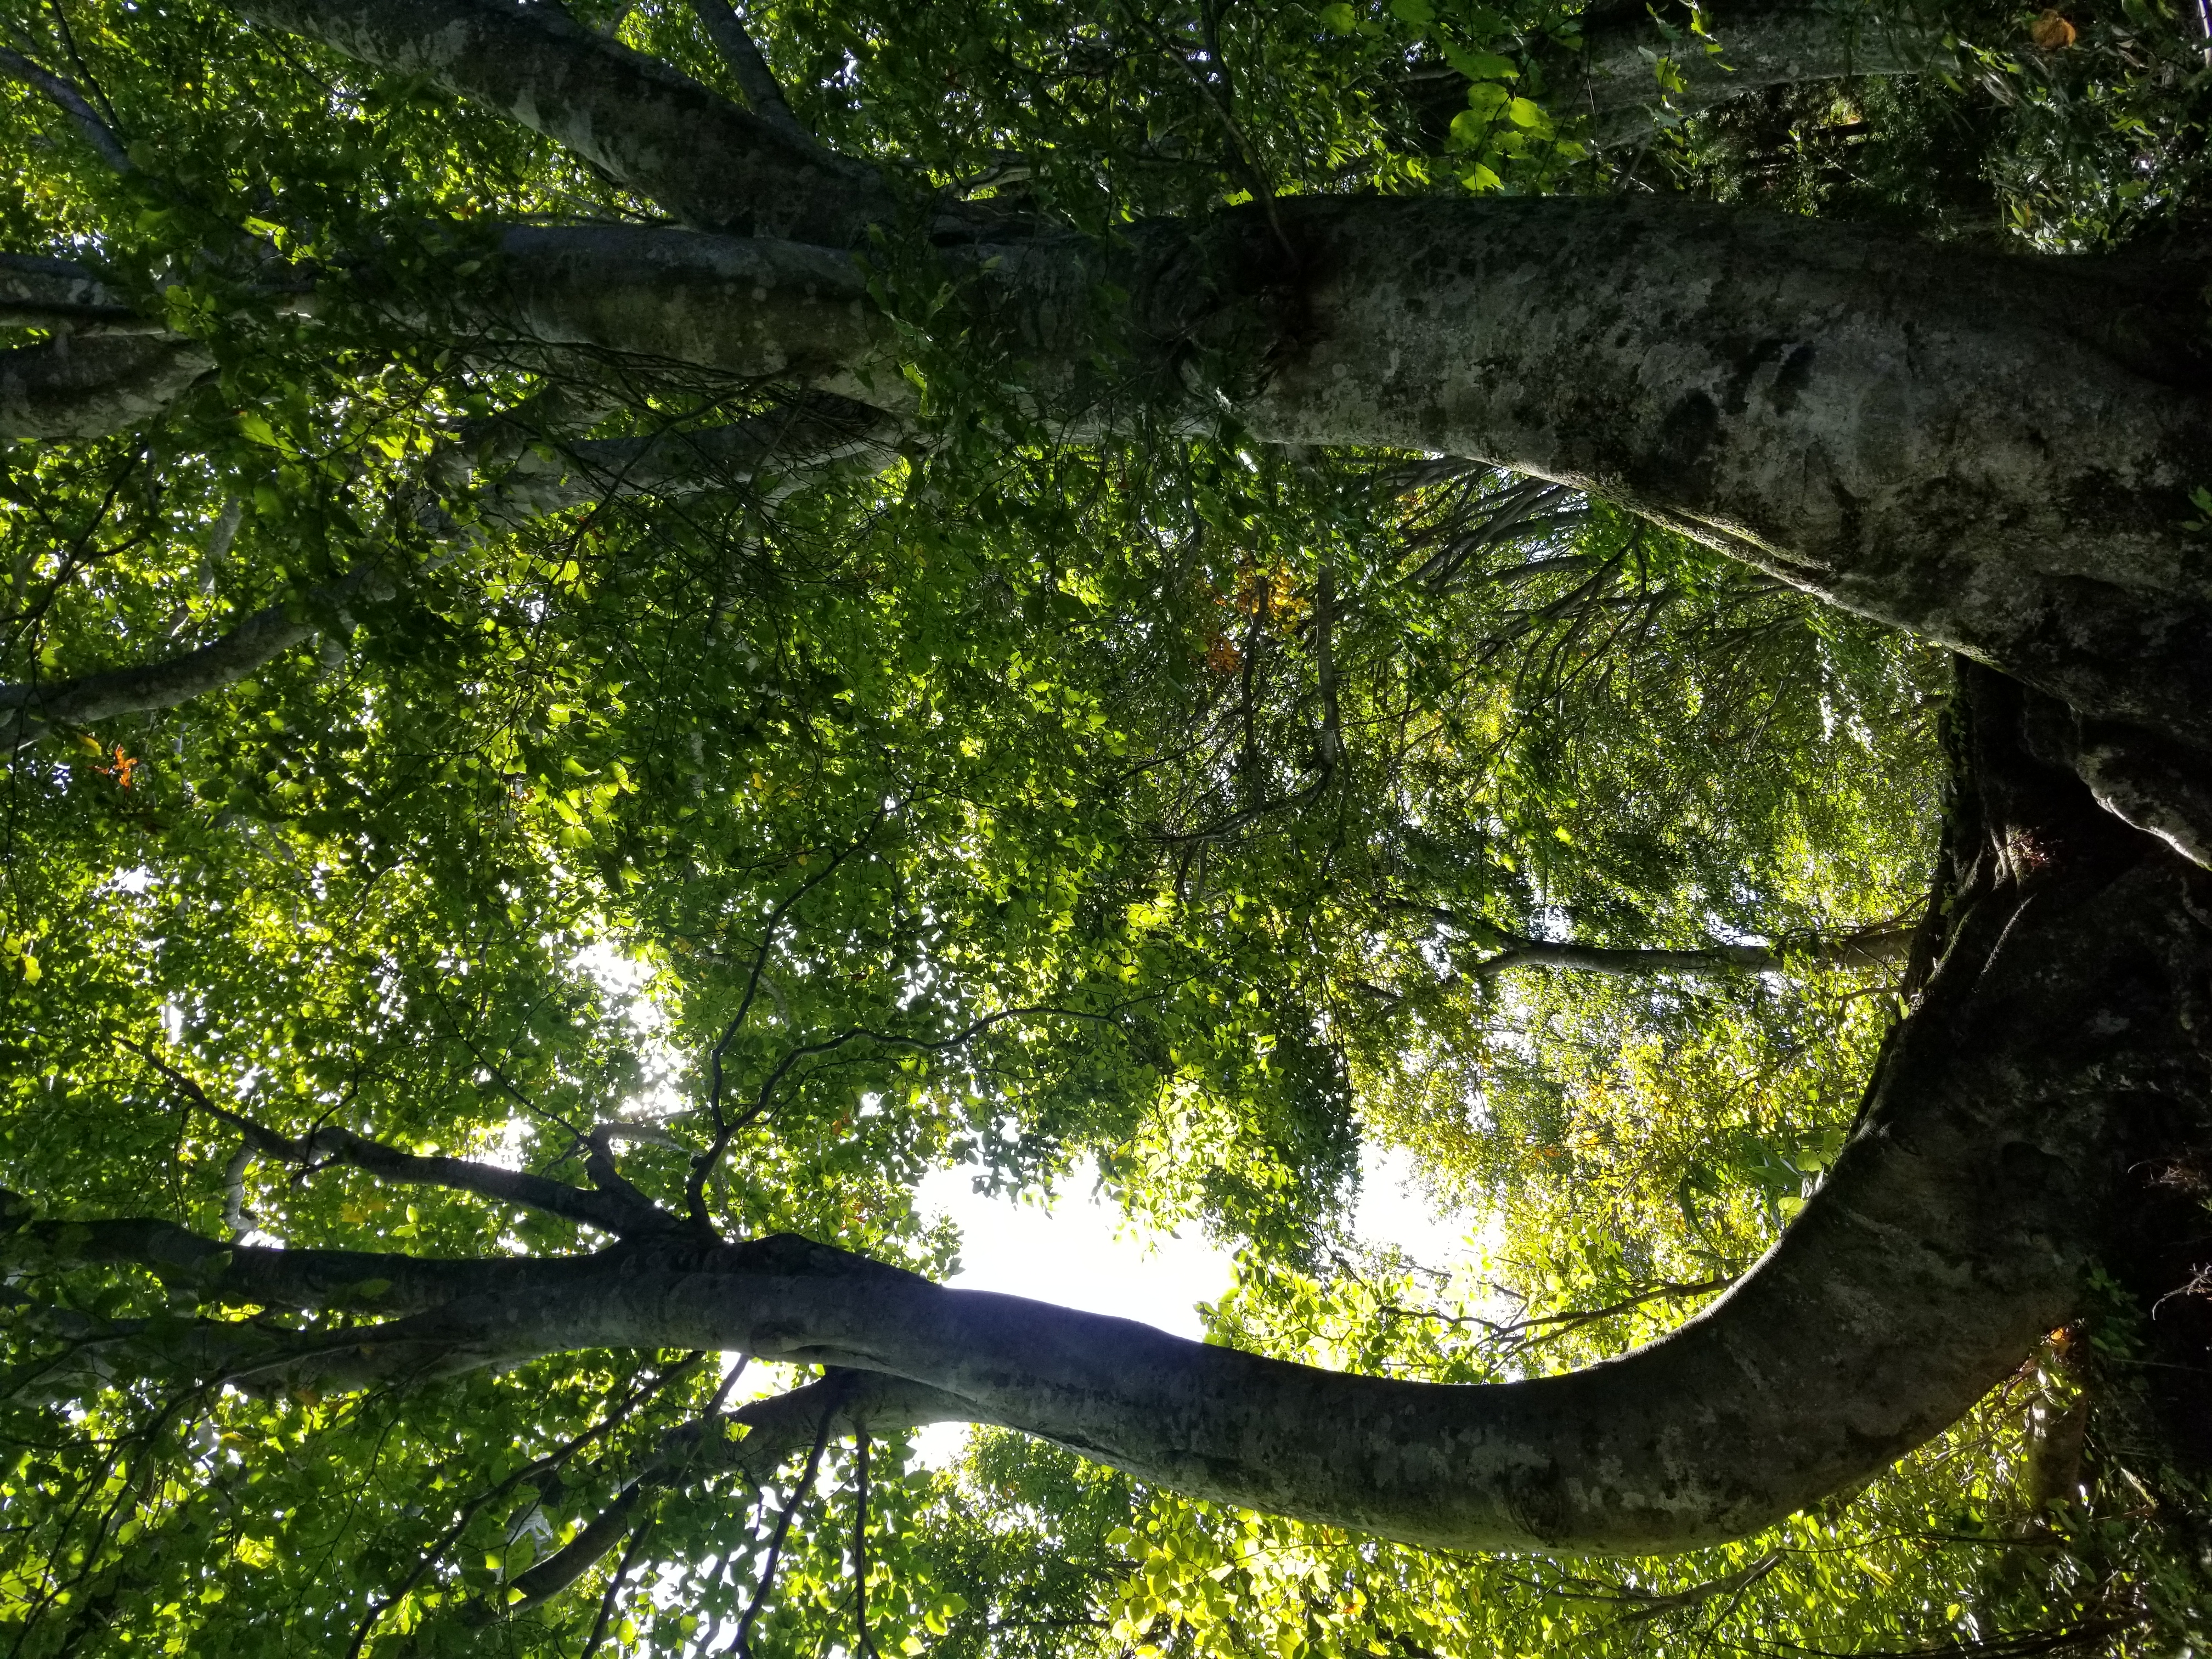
[[530, 398]]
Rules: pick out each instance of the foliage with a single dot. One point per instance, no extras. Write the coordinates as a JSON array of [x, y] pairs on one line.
[[1156, 803]]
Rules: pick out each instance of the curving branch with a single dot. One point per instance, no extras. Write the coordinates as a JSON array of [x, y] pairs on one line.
[[73, 104], [651, 129], [515, 477], [2004, 1122], [614, 1207], [31, 710]]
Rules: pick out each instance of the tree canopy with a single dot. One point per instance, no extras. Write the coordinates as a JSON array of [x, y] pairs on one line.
[[627, 626]]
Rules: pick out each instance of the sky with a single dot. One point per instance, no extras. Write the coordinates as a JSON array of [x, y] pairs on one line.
[[1081, 1253]]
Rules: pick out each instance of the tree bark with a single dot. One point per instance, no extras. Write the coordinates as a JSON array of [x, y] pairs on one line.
[[1993, 452], [30, 710], [1762, 44], [658, 132], [87, 385]]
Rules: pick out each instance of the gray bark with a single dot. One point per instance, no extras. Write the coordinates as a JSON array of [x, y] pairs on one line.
[[513, 476], [87, 385], [41, 293], [1761, 44], [72, 103], [30, 710], [1992, 450], [754, 78], [652, 130], [1993, 453]]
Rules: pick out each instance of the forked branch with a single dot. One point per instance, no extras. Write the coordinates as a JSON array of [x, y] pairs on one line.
[[620, 1209]]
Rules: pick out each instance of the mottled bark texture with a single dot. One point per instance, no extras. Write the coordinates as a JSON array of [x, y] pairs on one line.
[[1995, 452], [700, 155], [31, 709], [87, 385], [2059, 1044]]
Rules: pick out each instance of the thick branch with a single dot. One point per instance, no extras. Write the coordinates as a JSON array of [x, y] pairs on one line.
[[89, 386], [36, 292], [613, 1206], [617, 1208], [655, 131], [1763, 43], [262, 1275], [750, 308], [755, 79], [1993, 452], [28, 711], [769, 454], [1956, 1226]]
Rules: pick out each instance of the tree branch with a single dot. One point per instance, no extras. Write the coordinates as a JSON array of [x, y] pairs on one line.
[[36, 292], [2066, 1015], [773, 453], [73, 103], [1863, 949], [90, 386], [755, 79], [29, 711], [654, 130], [773, 1429], [620, 1209], [552, 1460], [790, 445], [1762, 43], [742, 1646]]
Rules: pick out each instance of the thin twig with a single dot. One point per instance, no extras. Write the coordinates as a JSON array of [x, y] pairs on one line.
[[614, 1586], [552, 1460], [862, 1641]]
